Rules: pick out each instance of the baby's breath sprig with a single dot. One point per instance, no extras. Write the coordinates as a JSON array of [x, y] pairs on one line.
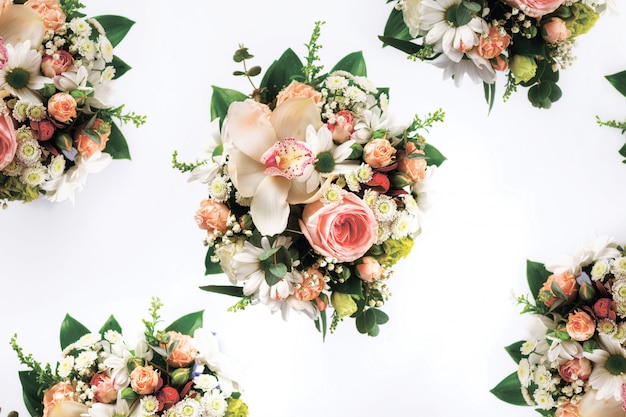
[[311, 70], [151, 337], [44, 374], [184, 166]]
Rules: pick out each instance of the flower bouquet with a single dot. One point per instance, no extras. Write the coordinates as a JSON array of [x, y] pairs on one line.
[[574, 362], [528, 40], [177, 371], [618, 81], [313, 192], [57, 113]]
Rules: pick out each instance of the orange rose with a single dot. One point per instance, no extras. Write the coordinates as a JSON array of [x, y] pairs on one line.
[[58, 393], [297, 89], [379, 153], [311, 286], [87, 146], [144, 380], [566, 281], [62, 107], [212, 216], [50, 11], [493, 44], [184, 353], [567, 409], [415, 169], [580, 326]]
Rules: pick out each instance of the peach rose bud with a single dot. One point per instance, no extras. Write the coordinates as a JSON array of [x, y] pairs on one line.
[[555, 30], [369, 269]]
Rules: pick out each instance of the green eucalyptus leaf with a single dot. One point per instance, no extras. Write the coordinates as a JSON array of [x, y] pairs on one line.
[[618, 80], [278, 270], [555, 93], [238, 73], [117, 146], [110, 324], [471, 6], [116, 27], [188, 323], [539, 92], [71, 331], [254, 71], [374, 331], [224, 289], [270, 278], [514, 350], [536, 275], [381, 317], [557, 291], [353, 63], [509, 390], [221, 99], [622, 150], [268, 253]]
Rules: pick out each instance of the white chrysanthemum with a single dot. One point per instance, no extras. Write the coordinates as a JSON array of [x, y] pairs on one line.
[[620, 308], [355, 94], [366, 84], [384, 232], [619, 290], [618, 267], [403, 225], [620, 332], [33, 175], [524, 373], [544, 400], [410, 204], [214, 404], [85, 360], [113, 336], [88, 340], [65, 367], [23, 133], [384, 208], [149, 405], [56, 167], [332, 194], [529, 400], [107, 74], [600, 269], [353, 182], [383, 102], [28, 151], [20, 110], [106, 48], [335, 83], [189, 407], [20, 74], [528, 347], [80, 27], [219, 188], [364, 173], [36, 112], [542, 377], [411, 15], [370, 197], [205, 382], [453, 37], [87, 48], [607, 326], [609, 368], [14, 169]]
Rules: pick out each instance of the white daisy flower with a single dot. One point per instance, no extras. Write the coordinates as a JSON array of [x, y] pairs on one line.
[[543, 399], [14, 169], [619, 290], [528, 347], [106, 48], [370, 197], [28, 151], [65, 367], [205, 382], [20, 74], [355, 94], [353, 183], [20, 110], [542, 377], [618, 267], [87, 48], [85, 360], [107, 74], [600, 269], [384, 208], [189, 407], [524, 372], [609, 368], [214, 404], [384, 232], [333, 194], [24, 132], [219, 188], [366, 84], [403, 225], [34, 175], [56, 167], [36, 112], [335, 83], [87, 340], [149, 405], [113, 336], [364, 173], [80, 27]]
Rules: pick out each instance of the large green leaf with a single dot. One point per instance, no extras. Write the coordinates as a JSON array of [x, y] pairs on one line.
[[434, 156], [536, 275], [509, 390], [187, 324], [395, 27], [120, 66], [405, 46], [221, 99], [280, 73], [31, 392], [211, 267], [514, 350], [117, 146], [116, 27], [350, 286], [618, 80], [224, 289], [110, 324], [353, 63], [71, 331]]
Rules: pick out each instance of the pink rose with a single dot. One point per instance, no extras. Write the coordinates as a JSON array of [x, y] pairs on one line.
[[3, 54], [379, 153], [8, 140], [577, 368], [369, 268], [605, 308], [58, 393], [62, 107], [343, 127], [493, 44], [55, 64], [87, 146], [184, 353], [145, 380], [415, 169], [50, 11], [103, 388], [566, 281], [297, 89], [311, 286], [580, 326], [567, 409], [555, 30], [535, 8], [212, 216], [344, 230]]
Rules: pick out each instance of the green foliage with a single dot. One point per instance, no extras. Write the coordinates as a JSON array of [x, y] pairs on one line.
[[116, 27], [71, 8], [71, 331], [187, 324], [617, 80], [224, 289], [221, 99], [311, 70], [184, 166], [368, 321], [240, 56], [211, 268], [509, 390], [117, 146], [514, 350], [279, 74], [120, 66], [155, 318], [110, 324], [536, 275], [353, 63]]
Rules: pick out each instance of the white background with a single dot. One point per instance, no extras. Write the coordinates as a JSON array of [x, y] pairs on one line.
[[519, 184]]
